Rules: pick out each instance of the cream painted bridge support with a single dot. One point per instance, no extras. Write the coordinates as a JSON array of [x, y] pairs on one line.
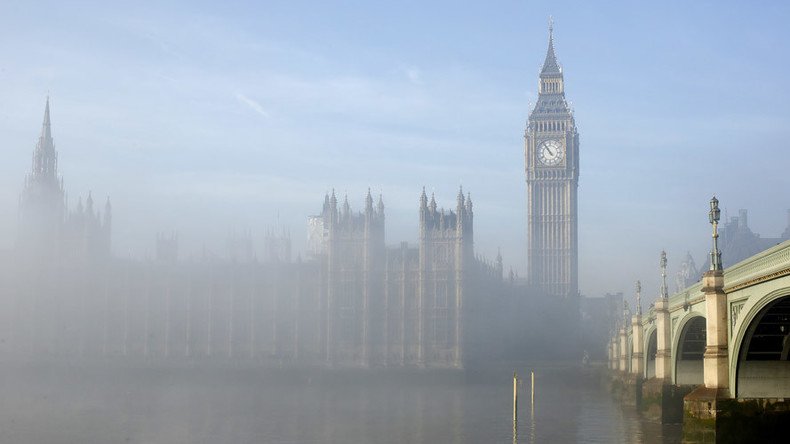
[[637, 357], [663, 341], [612, 357], [615, 347], [706, 409], [716, 357], [623, 349]]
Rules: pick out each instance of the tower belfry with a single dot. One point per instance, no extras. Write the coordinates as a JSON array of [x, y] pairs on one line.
[[552, 174]]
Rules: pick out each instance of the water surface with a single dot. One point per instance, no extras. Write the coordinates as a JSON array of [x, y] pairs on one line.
[[77, 405]]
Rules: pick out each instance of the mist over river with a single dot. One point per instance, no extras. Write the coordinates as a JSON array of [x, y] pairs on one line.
[[43, 404]]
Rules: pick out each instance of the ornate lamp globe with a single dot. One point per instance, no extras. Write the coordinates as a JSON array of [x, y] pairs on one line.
[[714, 210]]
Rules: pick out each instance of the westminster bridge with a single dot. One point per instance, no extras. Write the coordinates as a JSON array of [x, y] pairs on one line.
[[715, 354]]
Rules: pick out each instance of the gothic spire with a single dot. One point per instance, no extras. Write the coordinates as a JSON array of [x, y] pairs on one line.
[[46, 130], [550, 65], [44, 157]]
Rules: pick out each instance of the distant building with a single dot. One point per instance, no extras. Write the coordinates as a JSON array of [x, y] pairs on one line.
[[277, 246], [599, 316], [687, 273], [47, 231], [737, 241], [354, 302]]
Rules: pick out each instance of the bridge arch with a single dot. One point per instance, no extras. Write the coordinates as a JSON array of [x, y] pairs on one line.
[[688, 350], [760, 354], [650, 348]]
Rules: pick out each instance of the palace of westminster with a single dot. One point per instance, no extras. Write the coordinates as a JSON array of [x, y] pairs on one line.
[[353, 302]]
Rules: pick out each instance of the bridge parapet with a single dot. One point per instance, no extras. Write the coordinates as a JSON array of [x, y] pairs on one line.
[[770, 264], [690, 294]]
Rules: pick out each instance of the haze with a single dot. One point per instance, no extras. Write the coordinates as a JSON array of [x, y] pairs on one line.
[[204, 119]]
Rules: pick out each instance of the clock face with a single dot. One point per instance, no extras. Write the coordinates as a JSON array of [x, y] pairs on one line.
[[550, 152]]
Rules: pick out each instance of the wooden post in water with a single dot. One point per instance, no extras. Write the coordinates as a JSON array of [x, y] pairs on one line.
[[532, 397], [515, 397]]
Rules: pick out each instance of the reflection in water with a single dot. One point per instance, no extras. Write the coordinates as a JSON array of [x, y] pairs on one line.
[[515, 431], [532, 424], [177, 406]]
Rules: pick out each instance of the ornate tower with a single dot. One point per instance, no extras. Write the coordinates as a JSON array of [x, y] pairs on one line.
[[446, 255], [552, 169], [42, 202]]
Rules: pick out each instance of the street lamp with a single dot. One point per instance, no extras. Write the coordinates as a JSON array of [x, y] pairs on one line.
[[638, 298], [713, 216], [663, 263]]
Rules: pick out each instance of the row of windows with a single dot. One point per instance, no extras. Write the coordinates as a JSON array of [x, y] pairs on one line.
[[551, 87], [549, 126]]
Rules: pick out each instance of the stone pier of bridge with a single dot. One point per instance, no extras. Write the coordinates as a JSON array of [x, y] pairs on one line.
[[714, 356]]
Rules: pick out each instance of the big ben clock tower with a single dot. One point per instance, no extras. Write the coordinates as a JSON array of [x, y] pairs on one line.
[[552, 167]]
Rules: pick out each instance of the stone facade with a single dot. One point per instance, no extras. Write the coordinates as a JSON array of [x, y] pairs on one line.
[[354, 302]]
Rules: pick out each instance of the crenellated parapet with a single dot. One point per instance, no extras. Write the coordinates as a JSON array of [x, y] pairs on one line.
[[340, 220], [87, 232], [440, 223]]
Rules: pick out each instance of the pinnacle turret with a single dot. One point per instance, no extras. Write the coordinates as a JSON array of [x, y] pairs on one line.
[[107, 210], [346, 206], [89, 203], [368, 202]]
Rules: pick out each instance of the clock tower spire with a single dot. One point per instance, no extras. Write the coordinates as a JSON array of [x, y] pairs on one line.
[[552, 173]]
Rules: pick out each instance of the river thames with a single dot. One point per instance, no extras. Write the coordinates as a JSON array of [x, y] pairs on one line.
[[76, 405]]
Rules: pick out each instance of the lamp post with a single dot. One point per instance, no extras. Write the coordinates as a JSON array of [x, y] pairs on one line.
[[713, 216], [638, 298], [637, 357], [663, 264]]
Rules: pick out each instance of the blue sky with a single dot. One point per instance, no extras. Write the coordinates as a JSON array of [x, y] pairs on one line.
[[207, 118]]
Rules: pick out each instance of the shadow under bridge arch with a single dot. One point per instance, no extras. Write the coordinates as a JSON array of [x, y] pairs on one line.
[[689, 364], [763, 368]]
